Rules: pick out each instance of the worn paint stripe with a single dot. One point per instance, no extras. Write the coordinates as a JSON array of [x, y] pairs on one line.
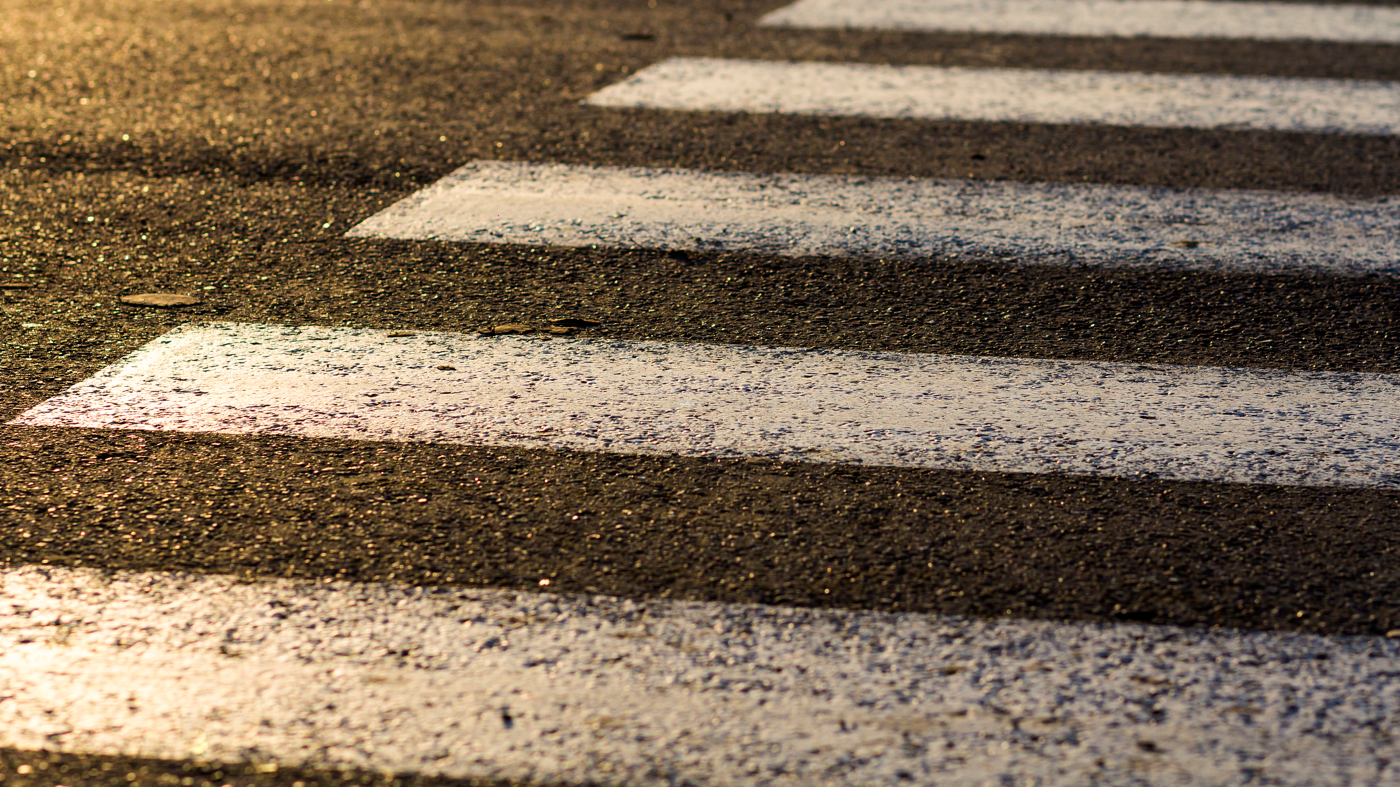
[[909, 410], [1119, 18], [909, 218], [1012, 95], [558, 689]]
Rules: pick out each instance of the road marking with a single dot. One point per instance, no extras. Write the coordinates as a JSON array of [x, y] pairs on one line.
[[821, 215], [893, 409], [1124, 18], [1012, 95], [559, 689]]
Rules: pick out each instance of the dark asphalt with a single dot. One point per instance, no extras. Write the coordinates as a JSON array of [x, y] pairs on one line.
[[391, 92], [222, 148], [1198, 554]]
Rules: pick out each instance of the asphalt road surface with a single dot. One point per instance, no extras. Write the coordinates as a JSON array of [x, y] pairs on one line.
[[276, 588]]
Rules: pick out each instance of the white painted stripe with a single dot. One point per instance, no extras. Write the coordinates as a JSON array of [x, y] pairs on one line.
[[796, 215], [1122, 18], [929, 411], [473, 683], [1012, 95]]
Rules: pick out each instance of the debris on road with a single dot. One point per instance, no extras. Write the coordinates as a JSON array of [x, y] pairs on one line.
[[507, 329], [161, 300]]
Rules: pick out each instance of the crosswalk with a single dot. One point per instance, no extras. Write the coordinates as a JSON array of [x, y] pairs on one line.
[[544, 688], [540, 688], [1155, 18], [883, 409], [899, 218], [1012, 95]]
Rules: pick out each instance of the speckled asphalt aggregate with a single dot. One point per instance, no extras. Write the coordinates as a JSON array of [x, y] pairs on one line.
[[223, 148]]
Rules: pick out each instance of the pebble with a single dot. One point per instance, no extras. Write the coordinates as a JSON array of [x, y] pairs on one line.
[[160, 300], [573, 322], [507, 329]]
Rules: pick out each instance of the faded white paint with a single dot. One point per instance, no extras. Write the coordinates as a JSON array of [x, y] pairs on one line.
[[928, 411], [1122, 18], [558, 689], [908, 218], [1012, 95]]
